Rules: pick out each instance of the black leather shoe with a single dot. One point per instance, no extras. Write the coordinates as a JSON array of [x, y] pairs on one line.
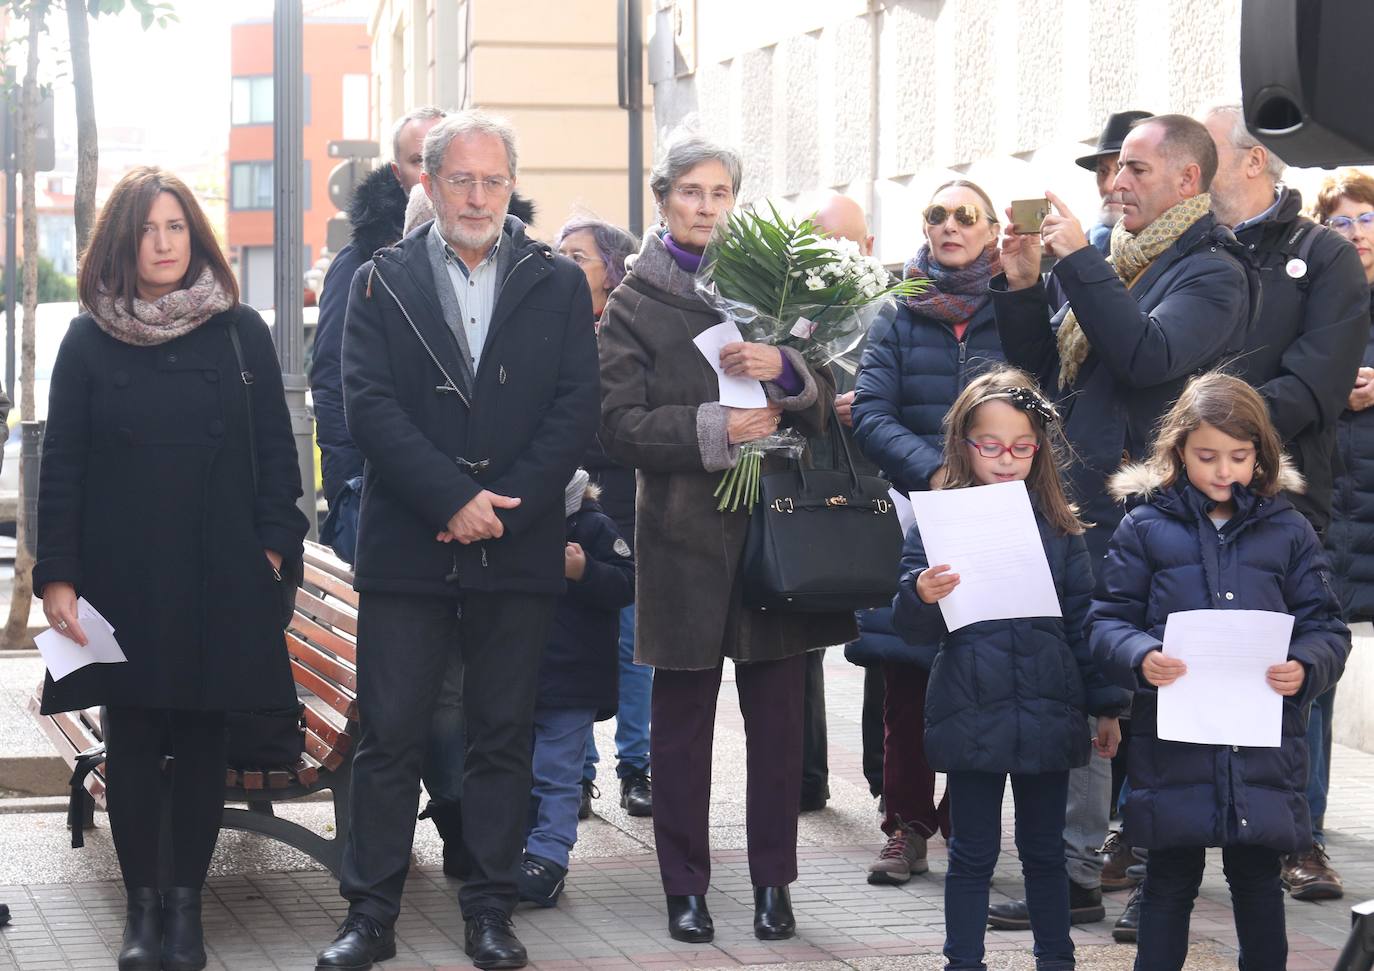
[[1128, 924], [773, 920], [489, 939], [812, 802], [4, 914], [360, 941], [142, 950], [636, 795], [688, 919], [448, 820], [589, 792], [183, 940], [1085, 907]]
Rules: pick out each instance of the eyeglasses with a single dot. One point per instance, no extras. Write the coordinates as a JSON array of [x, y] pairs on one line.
[[463, 184], [995, 450], [966, 215], [1346, 226], [581, 258], [695, 194]]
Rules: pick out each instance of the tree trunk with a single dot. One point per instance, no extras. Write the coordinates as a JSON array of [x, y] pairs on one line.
[[87, 142], [16, 632]]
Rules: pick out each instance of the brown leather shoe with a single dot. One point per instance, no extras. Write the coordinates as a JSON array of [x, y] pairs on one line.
[[1119, 856], [1309, 876]]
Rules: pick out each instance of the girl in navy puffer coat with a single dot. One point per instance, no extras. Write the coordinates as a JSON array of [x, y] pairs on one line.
[[1215, 534], [1008, 696]]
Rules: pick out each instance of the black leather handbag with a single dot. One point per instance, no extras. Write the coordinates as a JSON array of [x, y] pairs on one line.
[[822, 540]]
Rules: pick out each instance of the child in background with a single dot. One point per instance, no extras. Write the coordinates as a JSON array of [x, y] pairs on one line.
[[578, 685], [1214, 533], [1008, 697]]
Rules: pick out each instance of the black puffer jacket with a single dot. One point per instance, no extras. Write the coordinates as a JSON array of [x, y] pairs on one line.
[[1350, 538], [1302, 349]]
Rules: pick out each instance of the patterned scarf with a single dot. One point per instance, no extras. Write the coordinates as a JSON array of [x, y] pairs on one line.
[[167, 317], [1131, 254], [957, 295]]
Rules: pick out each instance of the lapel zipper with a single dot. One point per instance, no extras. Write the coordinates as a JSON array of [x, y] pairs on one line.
[[451, 387]]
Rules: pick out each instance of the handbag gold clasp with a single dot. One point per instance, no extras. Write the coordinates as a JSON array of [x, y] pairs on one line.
[[837, 501], [881, 506], [783, 505]]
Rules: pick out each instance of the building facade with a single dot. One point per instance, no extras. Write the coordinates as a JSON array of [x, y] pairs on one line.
[[548, 67], [337, 67]]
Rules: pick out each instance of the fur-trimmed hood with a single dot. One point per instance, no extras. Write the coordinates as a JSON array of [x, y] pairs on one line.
[[1141, 480], [377, 211]]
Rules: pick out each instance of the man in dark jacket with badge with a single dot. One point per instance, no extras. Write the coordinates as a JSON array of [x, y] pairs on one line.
[[1168, 301], [471, 386], [1301, 354]]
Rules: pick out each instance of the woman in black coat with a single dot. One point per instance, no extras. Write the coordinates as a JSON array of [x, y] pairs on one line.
[[153, 508]]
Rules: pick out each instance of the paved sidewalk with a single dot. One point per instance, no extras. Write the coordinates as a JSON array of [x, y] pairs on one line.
[[268, 907]]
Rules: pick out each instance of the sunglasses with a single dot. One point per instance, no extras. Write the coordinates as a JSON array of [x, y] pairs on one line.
[[1346, 226], [966, 215]]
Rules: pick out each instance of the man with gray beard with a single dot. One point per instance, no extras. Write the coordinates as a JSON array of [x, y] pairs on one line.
[[471, 386]]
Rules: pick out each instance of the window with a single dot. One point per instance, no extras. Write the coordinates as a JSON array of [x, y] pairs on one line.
[[355, 108], [250, 185], [251, 100]]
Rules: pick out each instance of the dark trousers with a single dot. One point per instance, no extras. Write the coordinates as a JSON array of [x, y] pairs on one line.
[[871, 728], [815, 744], [681, 731], [1172, 877], [136, 740], [908, 779], [404, 646], [974, 843]]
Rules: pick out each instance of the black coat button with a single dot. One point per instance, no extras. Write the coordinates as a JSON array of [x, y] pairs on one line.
[[212, 376], [215, 428], [121, 379]]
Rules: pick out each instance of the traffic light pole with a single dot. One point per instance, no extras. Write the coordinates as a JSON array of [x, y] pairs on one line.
[[288, 153]]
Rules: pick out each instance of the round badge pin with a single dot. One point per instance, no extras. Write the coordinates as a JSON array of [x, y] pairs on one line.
[[1296, 268]]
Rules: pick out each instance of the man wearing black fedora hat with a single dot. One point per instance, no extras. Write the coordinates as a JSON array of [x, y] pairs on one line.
[[1104, 162]]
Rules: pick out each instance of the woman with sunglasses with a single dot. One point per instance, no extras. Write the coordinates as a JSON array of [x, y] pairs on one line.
[[912, 372]]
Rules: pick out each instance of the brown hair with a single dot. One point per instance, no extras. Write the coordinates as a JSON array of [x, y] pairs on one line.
[[1349, 184], [974, 188], [1230, 406], [1015, 387], [110, 262]]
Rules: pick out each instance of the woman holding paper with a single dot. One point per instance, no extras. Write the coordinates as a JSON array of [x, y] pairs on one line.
[[1008, 698], [1214, 534], [662, 415], [912, 371], [153, 509]]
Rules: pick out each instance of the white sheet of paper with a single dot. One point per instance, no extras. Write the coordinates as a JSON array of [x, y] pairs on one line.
[[987, 534], [734, 392], [1224, 699], [904, 514], [63, 655]]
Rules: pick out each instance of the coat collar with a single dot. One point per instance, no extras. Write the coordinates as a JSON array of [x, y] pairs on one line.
[[1206, 228], [655, 266]]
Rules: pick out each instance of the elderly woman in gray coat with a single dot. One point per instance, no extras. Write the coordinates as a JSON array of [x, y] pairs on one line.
[[661, 414]]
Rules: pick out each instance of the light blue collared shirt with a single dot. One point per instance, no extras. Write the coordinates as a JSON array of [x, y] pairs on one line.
[[1278, 196], [476, 291]]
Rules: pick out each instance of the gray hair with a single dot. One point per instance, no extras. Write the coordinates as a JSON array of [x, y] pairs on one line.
[[427, 113], [687, 153], [419, 208], [1241, 139], [461, 124], [613, 245]]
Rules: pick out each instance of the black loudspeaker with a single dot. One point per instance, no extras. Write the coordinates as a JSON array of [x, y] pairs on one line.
[[1303, 67]]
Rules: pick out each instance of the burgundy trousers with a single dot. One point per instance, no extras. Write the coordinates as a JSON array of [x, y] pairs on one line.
[[681, 731], [908, 779]]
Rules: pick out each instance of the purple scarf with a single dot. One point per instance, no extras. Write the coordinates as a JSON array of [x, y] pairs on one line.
[[956, 295], [689, 261]]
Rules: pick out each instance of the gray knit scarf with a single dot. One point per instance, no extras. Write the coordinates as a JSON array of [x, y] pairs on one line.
[[167, 317]]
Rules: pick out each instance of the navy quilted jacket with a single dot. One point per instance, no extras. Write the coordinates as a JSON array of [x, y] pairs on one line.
[[1167, 556], [1009, 695], [1350, 538]]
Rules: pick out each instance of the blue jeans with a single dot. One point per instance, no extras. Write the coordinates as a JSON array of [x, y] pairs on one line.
[[632, 717], [975, 839], [560, 738], [443, 766], [1319, 760], [1172, 877]]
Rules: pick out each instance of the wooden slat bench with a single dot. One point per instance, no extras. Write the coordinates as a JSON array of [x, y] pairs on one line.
[[322, 642]]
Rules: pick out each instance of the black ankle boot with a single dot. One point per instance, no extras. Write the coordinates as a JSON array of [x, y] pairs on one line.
[[688, 919], [448, 820], [142, 950], [183, 941], [773, 919]]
